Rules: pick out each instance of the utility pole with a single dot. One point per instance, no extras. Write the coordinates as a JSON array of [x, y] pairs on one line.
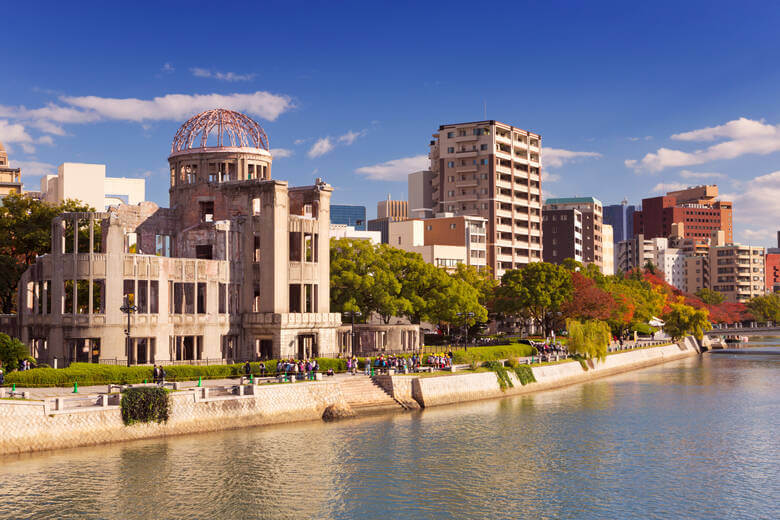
[[352, 315]]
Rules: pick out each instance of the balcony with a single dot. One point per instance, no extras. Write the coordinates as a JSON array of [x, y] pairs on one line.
[[501, 139]]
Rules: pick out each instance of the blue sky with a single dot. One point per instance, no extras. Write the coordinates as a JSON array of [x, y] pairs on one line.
[[630, 98]]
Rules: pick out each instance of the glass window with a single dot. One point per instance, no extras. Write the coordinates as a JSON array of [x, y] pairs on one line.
[[162, 245], [131, 243]]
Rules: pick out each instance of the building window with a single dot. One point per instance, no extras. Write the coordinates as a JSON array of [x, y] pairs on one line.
[[451, 164], [206, 210], [131, 243], [451, 149], [295, 297], [203, 252], [450, 134], [162, 245], [295, 246], [453, 226]]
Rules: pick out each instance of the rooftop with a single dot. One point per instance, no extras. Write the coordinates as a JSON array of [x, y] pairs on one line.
[[573, 200]]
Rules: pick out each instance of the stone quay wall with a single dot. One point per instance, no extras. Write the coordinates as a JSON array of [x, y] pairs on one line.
[[441, 390], [37, 425]]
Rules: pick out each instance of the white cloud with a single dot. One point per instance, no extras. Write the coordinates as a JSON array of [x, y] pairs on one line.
[[322, 146], [299, 141], [756, 210], [395, 170], [221, 76], [28, 148], [45, 139], [13, 133], [167, 68], [550, 177], [742, 136], [663, 187], [687, 174], [281, 153], [556, 157], [33, 168], [350, 137]]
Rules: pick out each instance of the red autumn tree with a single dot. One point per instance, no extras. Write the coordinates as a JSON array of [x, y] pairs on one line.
[[589, 301]]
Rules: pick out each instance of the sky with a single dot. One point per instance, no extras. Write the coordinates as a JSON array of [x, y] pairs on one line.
[[631, 99]]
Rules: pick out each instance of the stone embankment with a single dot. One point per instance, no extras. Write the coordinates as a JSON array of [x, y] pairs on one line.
[[60, 423]]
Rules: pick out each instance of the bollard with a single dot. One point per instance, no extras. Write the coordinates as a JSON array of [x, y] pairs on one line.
[[76, 387], [251, 379], [200, 381], [13, 387], [145, 381]]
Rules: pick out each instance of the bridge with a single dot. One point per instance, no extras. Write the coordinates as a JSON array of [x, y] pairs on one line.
[[757, 329]]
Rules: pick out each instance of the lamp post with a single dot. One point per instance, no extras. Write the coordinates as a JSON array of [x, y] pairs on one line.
[[352, 314], [468, 316], [128, 309]]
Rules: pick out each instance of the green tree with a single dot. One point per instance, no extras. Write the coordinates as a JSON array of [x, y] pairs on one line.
[[709, 296], [11, 270], [765, 308], [537, 291], [588, 339], [481, 280], [11, 352], [683, 320]]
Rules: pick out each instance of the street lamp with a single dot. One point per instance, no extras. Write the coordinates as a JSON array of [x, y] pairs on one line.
[[352, 314], [128, 309], [468, 316]]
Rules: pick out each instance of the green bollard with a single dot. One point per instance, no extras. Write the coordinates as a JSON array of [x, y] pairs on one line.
[[13, 387], [200, 381], [76, 387], [252, 378], [145, 381]]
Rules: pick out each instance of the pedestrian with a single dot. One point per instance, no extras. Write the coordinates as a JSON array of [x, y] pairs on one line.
[[247, 369], [162, 375], [155, 374], [262, 369]]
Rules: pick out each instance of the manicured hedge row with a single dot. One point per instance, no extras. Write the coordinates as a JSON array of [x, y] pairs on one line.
[[480, 354], [146, 404]]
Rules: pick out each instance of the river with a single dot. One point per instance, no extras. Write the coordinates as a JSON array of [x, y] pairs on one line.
[[696, 438]]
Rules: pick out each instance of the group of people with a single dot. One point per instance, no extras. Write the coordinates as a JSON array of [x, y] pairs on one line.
[[549, 348], [399, 363], [158, 374], [24, 364], [291, 366]]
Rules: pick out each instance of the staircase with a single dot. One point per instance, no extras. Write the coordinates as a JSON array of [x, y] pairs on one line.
[[365, 396]]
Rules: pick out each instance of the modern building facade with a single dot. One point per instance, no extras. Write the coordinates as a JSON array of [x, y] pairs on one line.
[[395, 209], [592, 221], [737, 271], [608, 245], [342, 231], [621, 218], [772, 267], [562, 232], [670, 262], [89, 184], [492, 170], [635, 253], [10, 178], [696, 207], [444, 241], [420, 195], [354, 216], [697, 273], [237, 268]]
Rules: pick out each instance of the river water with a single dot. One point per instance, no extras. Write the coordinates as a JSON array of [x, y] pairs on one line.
[[696, 438]]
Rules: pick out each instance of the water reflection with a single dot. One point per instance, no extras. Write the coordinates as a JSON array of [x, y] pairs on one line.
[[690, 439]]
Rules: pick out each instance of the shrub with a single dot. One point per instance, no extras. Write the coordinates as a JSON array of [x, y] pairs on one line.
[[501, 374], [480, 354], [12, 351], [524, 374], [146, 404]]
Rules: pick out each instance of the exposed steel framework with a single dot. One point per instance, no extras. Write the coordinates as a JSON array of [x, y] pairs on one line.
[[231, 129]]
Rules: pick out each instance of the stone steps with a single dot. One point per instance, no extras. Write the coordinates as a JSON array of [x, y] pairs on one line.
[[361, 392]]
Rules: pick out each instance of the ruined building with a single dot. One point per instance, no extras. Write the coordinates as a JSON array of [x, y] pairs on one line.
[[237, 268]]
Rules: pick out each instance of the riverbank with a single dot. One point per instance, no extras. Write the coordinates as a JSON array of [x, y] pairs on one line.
[[27, 426]]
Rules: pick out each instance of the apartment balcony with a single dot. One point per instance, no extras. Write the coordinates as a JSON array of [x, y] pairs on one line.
[[464, 138], [466, 153], [504, 170], [503, 184], [534, 191], [504, 213], [469, 181], [504, 140], [503, 155], [468, 168]]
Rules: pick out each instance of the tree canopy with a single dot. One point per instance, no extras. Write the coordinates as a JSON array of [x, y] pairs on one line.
[[765, 308], [683, 320]]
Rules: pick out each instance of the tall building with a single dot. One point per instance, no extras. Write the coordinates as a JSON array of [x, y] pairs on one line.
[[592, 221], [670, 262], [697, 273], [737, 271], [236, 269], [397, 209], [420, 194], [772, 267], [346, 215], [10, 178], [696, 207], [621, 218], [89, 184], [635, 253], [492, 170], [562, 232], [608, 243]]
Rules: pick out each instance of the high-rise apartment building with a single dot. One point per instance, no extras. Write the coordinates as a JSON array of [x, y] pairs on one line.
[[89, 184], [420, 195], [635, 253], [592, 221], [608, 243], [670, 262], [492, 170], [10, 178], [772, 267], [696, 207], [390, 208], [621, 218], [737, 271], [346, 215], [562, 232]]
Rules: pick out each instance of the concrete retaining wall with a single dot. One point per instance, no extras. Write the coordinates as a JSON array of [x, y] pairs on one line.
[[435, 391], [32, 426]]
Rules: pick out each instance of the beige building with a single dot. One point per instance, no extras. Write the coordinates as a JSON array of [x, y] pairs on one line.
[[697, 273], [444, 241], [344, 231], [237, 268], [395, 209], [89, 184], [636, 252], [491, 170], [10, 178], [592, 213], [670, 263], [608, 250], [737, 271]]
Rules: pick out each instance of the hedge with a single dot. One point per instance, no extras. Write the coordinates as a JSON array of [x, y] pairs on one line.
[[480, 354], [145, 404]]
